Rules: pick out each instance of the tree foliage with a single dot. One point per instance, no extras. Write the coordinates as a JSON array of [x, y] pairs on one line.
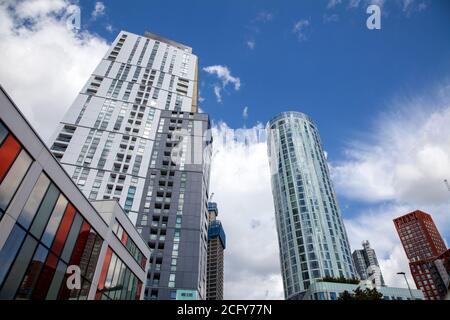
[[340, 280], [358, 294]]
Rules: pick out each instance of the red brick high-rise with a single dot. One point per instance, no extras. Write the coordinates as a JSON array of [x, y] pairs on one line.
[[423, 246]]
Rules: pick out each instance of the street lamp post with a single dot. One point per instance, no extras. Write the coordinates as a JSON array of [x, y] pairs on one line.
[[407, 283]]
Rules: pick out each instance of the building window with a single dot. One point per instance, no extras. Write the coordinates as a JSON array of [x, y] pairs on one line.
[[14, 164]]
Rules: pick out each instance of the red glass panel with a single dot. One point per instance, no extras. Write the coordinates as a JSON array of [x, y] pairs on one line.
[[124, 237], [143, 262], [80, 244], [77, 252], [43, 284], [101, 281], [63, 229], [8, 153], [138, 291]]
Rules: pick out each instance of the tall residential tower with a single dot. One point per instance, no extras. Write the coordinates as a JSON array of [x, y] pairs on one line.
[[134, 134], [216, 246], [311, 234], [366, 264], [429, 258]]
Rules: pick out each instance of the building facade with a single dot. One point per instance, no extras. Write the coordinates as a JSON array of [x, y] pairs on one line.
[[312, 239], [216, 247], [130, 135], [426, 251], [173, 214], [49, 231], [332, 290], [366, 264]]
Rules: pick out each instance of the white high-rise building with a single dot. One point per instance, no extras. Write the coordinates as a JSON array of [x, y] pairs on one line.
[[311, 234], [366, 264], [116, 142]]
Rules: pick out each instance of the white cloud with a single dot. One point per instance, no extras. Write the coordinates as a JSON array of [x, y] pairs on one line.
[[217, 93], [333, 3], [99, 10], [396, 169], [264, 17], [109, 28], [410, 6], [376, 225], [240, 180], [299, 29], [200, 97], [251, 44], [43, 65], [245, 113], [330, 18], [224, 75], [254, 27], [422, 6], [405, 159], [407, 6], [354, 3]]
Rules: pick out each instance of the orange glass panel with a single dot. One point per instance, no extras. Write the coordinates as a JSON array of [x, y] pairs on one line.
[[8, 153]]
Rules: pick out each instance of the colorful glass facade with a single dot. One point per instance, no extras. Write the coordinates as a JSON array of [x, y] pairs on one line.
[[311, 234], [423, 245], [50, 234]]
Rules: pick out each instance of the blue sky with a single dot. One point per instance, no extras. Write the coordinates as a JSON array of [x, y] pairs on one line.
[[380, 98], [340, 73]]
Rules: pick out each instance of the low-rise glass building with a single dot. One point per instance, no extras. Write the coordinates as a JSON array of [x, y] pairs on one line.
[[54, 243], [332, 290]]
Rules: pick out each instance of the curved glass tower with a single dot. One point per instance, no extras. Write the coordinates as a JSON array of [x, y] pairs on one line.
[[311, 234]]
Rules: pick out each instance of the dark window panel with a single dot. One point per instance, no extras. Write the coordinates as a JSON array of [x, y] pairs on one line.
[[53, 223], [13, 280], [126, 279], [87, 250], [138, 290], [80, 244], [43, 214], [14, 178], [45, 279], [3, 133], [94, 257], [34, 201], [84, 292], [32, 275], [9, 250], [72, 237], [57, 281]]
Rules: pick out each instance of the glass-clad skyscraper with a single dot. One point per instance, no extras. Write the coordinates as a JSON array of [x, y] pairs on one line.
[[134, 134], [366, 264], [311, 234]]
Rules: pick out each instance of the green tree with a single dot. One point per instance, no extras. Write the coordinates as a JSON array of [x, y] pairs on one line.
[[358, 294], [340, 279]]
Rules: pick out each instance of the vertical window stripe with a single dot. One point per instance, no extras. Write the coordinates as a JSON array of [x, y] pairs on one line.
[[43, 284], [101, 281], [80, 244], [63, 229], [8, 153]]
